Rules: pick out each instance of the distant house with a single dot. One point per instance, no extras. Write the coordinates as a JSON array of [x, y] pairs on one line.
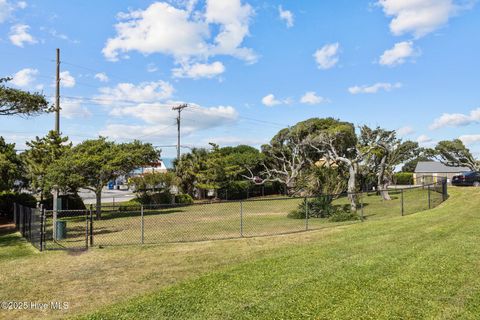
[[157, 167], [431, 171]]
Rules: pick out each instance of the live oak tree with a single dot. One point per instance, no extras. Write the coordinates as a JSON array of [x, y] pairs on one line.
[[93, 163], [19, 102], [289, 154], [388, 151], [454, 153], [40, 155]]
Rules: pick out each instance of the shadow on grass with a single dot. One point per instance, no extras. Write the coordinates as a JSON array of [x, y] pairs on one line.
[[128, 214]]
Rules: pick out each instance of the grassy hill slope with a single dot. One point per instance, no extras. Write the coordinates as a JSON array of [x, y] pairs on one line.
[[426, 265]]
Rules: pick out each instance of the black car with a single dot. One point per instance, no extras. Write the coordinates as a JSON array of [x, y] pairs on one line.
[[471, 178]]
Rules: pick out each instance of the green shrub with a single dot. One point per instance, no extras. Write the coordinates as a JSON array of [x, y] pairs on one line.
[[69, 202], [319, 207], [343, 214], [403, 178], [183, 199], [7, 199]]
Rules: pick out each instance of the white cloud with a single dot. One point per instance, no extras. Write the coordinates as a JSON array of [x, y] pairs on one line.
[[311, 97], [424, 139], [19, 35], [22, 4], [159, 119], [73, 109], [269, 100], [470, 139], [418, 17], [24, 77], [287, 16], [66, 79], [7, 8], [189, 36], [327, 56], [456, 119], [102, 77], [405, 131], [398, 54], [374, 88], [199, 70], [144, 92]]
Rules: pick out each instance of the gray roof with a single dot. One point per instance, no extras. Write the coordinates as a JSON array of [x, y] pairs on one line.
[[437, 167]]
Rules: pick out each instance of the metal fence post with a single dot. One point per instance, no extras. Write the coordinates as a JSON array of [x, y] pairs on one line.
[[91, 225], [402, 205], [306, 214], [241, 218], [361, 206], [142, 224], [87, 231], [429, 199], [42, 221]]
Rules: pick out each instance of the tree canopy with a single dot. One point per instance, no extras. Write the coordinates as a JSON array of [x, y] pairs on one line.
[[10, 165], [41, 154], [455, 153], [93, 163], [19, 102]]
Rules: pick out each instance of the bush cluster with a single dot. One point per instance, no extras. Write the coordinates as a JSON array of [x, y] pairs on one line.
[[403, 178], [322, 207], [7, 199]]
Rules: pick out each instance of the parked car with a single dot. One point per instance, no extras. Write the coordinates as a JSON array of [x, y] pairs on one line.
[[471, 178]]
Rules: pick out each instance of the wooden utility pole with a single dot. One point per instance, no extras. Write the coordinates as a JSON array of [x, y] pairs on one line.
[[179, 108], [57, 95]]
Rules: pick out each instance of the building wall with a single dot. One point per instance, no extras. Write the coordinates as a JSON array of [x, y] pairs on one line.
[[429, 177]]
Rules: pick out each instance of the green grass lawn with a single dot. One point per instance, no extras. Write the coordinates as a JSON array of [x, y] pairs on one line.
[[422, 265], [222, 220]]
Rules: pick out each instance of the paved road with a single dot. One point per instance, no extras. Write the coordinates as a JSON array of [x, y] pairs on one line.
[[108, 196]]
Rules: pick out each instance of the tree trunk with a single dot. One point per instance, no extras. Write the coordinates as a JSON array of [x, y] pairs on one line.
[[352, 171], [381, 182], [98, 203]]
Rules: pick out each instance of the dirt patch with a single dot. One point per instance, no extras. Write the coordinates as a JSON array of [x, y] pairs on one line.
[[6, 226]]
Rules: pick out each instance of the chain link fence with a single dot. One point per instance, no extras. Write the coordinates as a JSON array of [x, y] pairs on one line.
[[30, 222], [149, 224]]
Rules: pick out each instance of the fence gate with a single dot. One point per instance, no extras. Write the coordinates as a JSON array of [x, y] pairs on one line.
[[67, 229]]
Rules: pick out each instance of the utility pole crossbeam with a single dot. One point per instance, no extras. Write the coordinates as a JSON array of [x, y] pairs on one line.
[[179, 108], [57, 95]]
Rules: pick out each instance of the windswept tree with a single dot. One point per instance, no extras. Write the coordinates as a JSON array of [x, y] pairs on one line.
[[93, 163], [19, 102], [288, 154], [10, 165], [454, 153], [387, 153], [41, 153]]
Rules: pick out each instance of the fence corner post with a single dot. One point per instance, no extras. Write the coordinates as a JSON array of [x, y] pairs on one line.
[[42, 227]]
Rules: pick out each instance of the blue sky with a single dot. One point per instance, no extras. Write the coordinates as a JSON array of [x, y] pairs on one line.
[[247, 68]]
